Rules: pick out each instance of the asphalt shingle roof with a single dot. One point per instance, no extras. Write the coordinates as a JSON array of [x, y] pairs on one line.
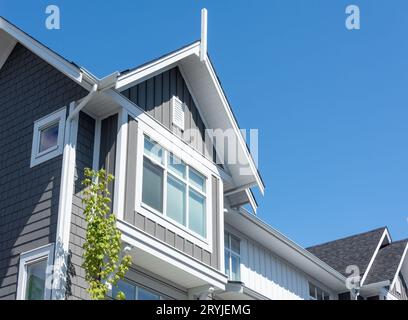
[[354, 250], [386, 262]]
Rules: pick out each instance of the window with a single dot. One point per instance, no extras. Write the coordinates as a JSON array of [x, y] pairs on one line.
[[35, 275], [134, 292], [232, 257], [48, 137], [174, 189], [315, 293]]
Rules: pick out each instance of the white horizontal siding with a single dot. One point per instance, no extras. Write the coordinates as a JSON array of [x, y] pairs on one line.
[[269, 275]]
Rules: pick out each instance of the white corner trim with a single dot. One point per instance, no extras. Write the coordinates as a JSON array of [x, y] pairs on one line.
[[120, 167], [26, 258], [385, 234], [37, 157], [399, 268], [221, 225], [65, 207]]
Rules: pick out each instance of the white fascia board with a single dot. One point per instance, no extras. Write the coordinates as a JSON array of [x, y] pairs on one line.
[[163, 251], [385, 234], [234, 123], [7, 44], [44, 53], [404, 255], [131, 78], [250, 218]]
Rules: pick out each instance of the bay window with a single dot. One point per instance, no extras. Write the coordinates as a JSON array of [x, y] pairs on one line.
[[232, 257], [172, 188]]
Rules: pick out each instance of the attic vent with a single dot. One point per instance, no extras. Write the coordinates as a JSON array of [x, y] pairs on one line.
[[178, 112]]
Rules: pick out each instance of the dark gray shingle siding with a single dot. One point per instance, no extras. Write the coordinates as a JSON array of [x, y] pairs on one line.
[[29, 89]]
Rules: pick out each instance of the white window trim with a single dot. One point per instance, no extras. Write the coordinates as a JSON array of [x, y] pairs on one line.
[[37, 157], [233, 253], [158, 217], [31, 256]]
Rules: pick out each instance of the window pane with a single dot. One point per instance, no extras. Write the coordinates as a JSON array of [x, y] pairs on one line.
[[235, 268], [319, 294], [127, 288], [235, 244], [197, 180], [176, 199], [226, 240], [197, 213], [312, 290], [152, 193], [177, 166], [144, 294], [153, 149], [35, 286], [48, 137], [227, 263]]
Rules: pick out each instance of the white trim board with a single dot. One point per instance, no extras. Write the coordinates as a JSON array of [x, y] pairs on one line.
[[385, 234], [163, 251], [404, 255]]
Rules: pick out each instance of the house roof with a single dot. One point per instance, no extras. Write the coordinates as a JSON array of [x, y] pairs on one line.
[[202, 77], [353, 250], [386, 262]]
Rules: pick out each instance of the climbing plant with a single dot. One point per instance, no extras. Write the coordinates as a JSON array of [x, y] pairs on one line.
[[104, 261]]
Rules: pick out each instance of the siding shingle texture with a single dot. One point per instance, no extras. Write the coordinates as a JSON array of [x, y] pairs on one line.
[[354, 250], [30, 88]]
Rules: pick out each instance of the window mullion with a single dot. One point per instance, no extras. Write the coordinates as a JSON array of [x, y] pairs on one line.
[[187, 210], [165, 183]]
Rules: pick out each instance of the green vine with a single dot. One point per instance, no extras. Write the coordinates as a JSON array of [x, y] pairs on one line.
[[103, 262]]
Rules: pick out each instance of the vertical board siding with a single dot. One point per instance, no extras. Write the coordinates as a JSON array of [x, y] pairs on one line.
[[154, 96], [84, 157], [155, 229], [30, 89], [270, 275]]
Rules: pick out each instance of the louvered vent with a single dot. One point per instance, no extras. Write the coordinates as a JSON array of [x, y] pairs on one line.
[[178, 113]]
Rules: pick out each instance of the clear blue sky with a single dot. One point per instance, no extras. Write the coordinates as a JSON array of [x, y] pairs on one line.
[[331, 104]]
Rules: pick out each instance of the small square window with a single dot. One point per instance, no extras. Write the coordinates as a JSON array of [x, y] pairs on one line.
[[48, 137]]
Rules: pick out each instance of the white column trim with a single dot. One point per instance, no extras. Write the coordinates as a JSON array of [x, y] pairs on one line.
[[120, 166], [65, 207]]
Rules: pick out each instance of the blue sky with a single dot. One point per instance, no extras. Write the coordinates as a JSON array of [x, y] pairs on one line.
[[331, 105]]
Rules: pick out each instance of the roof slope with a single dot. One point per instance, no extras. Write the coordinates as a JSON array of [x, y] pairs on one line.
[[354, 250], [386, 262]]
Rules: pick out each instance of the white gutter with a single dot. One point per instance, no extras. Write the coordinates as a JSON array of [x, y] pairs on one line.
[[263, 225]]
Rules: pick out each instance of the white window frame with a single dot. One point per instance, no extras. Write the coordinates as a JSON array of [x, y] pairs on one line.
[[325, 293], [232, 253], [37, 157], [161, 218], [29, 257], [137, 286]]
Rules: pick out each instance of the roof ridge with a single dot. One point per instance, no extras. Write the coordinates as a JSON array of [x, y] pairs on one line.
[[347, 237]]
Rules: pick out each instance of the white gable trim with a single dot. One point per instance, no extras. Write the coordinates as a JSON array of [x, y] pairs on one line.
[[158, 66], [404, 255], [46, 54], [129, 79], [385, 234]]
